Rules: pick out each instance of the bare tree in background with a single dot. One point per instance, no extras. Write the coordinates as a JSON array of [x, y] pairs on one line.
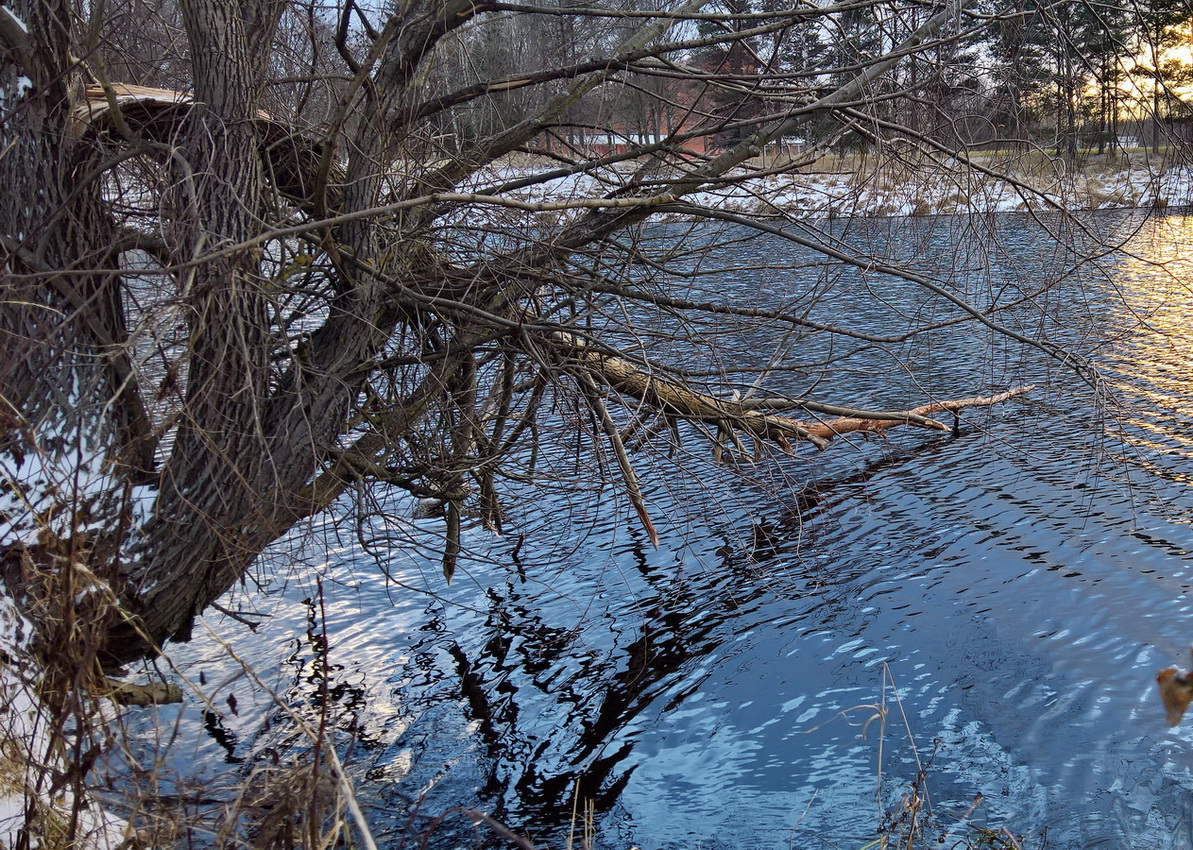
[[316, 269]]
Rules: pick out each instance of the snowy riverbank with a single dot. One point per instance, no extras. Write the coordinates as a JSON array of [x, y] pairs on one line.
[[898, 189]]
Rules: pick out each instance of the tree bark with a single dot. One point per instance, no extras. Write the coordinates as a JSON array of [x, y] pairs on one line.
[[678, 399], [219, 470]]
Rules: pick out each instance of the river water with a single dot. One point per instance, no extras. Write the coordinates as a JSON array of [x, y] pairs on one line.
[[980, 613]]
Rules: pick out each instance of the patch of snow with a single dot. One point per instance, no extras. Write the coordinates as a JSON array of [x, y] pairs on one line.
[[59, 481], [938, 190], [22, 87], [141, 501], [23, 733], [14, 19]]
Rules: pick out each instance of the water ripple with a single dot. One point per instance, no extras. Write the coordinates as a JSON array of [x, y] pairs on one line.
[[994, 603]]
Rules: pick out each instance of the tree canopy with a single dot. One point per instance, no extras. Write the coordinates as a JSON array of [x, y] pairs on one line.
[[258, 257]]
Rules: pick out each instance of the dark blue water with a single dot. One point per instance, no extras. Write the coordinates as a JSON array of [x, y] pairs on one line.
[[971, 614]]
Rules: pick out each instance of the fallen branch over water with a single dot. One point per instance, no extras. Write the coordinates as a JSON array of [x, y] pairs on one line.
[[877, 423], [675, 398], [133, 693]]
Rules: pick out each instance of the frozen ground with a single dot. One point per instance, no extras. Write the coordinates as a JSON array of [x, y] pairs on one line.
[[897, 189]]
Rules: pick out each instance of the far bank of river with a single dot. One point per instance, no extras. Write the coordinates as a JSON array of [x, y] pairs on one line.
[[884, 185]]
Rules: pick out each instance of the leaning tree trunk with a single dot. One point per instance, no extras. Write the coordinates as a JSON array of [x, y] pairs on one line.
[[219, 469], [262, 426], [250, 434], [73, 423]]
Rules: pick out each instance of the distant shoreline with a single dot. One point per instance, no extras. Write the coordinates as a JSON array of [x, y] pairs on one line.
[[872, 187]]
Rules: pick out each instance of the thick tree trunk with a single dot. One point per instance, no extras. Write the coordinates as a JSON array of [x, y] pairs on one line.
[[219, 473], [64, 365], [36, 341]]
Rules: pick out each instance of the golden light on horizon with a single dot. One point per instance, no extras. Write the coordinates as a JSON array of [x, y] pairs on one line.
[[1174, 56]]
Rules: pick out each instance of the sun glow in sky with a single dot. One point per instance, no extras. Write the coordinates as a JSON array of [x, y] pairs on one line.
[[1176, 59]]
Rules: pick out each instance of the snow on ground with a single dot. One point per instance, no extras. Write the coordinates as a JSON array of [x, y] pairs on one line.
[[894, 189], [951, 192], [25, 744]]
